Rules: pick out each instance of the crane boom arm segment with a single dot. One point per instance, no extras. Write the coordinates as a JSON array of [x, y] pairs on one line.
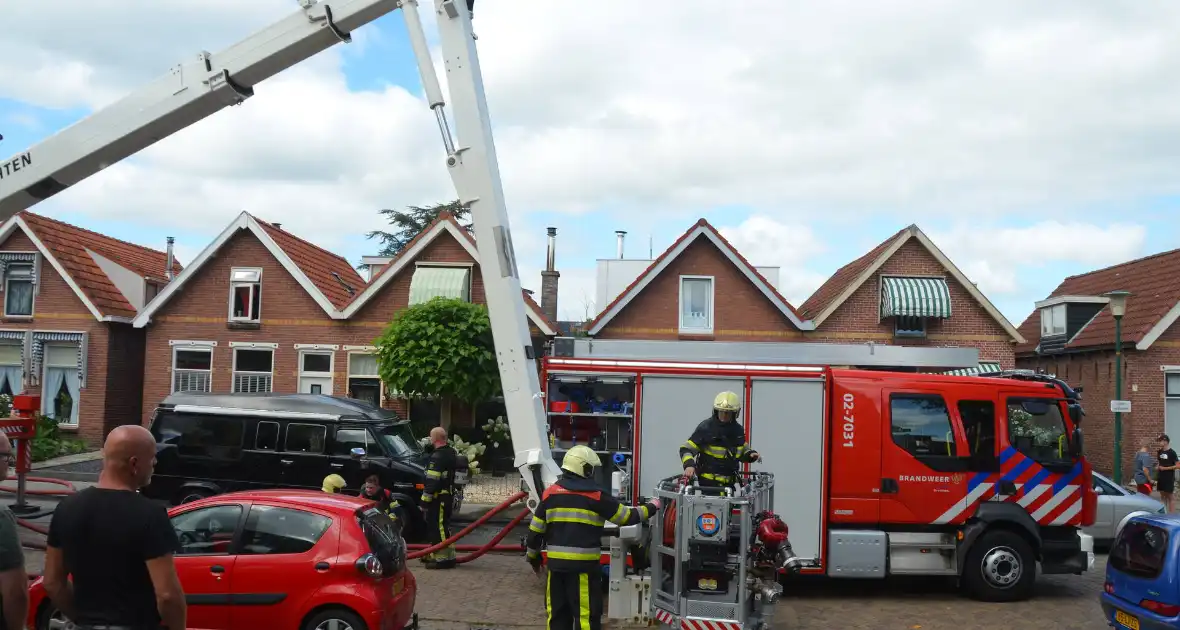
[[188, 93], [205, 85]]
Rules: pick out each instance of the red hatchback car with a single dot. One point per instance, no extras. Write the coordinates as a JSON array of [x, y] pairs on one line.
[[283, 559]]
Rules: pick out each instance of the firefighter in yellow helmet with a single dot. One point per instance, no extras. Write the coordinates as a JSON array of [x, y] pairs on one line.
[[718, 445], [568, 522], [333, 484]]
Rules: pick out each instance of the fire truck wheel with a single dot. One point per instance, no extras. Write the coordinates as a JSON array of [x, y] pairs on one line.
[[1001, 567]]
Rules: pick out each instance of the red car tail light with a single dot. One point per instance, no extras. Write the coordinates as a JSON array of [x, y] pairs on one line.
[[1109, 588], [1163, 610], [369, 565]]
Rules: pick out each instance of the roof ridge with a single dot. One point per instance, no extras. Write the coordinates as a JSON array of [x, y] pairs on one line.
[[300, 239], [1122, 264], [27, 213]]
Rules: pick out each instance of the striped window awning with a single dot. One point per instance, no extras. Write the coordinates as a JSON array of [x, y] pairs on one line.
[[915, 297], [986, 367], [446, 282]]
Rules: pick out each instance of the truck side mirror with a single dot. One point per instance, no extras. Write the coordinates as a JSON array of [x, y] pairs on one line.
[[1077, 444], [357, 453]]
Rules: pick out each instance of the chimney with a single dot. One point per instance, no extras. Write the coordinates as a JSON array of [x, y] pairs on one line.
[[278, 226], [622, 235], [169, 259], [549, 278]]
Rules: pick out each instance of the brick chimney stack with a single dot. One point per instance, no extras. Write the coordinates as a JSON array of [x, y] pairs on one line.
[[549, 278]]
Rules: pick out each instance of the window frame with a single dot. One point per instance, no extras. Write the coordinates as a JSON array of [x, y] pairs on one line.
[[191, 348], [236, 535], [951, 462], [76, 409], [711, 308], [1056, 465], [31, 266], [909, 333], [330, 374], [278, 434], [18, 364], [370, 441], [982, 462], [1169, 376], [255, 294], [287, 438], [1047, 328], [348, 375], [206, 452], [234, 372], [251, 520]]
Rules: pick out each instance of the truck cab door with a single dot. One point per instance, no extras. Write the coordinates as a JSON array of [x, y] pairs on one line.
[[923, 459]]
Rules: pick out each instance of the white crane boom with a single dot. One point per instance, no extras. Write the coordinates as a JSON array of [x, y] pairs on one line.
[[197, 89]]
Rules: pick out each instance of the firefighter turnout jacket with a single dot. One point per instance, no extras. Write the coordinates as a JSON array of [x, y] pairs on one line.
[[715, 449], [440, 474], [569, 523]]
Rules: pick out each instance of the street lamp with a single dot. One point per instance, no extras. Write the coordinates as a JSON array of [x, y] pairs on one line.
[[1118, 308]]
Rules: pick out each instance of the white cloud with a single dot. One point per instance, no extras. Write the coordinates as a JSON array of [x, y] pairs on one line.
[[765, 242], [996, 257], [790, 111]]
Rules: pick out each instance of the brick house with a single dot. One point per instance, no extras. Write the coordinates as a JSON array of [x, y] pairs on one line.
[[212, 329], [69, 296], [906, 291], [1071, 334], [674, 297]]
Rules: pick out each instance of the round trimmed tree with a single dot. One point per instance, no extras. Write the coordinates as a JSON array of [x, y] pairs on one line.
[[440, 349]]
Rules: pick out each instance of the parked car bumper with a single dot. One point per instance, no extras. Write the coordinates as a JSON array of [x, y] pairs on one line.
[[1147, 619], [395, 610], [1069, 557]]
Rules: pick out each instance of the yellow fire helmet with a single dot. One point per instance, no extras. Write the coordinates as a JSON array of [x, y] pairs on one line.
[[333, 484], [727, 401], [581, 461]]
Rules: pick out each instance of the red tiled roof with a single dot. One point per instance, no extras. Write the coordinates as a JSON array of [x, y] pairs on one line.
[[1154, 291], [69, 244], [844, 276], [447, 216], [319, 265], [701, 223]]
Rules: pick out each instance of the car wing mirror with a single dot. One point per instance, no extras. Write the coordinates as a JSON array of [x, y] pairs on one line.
[[357, 453]]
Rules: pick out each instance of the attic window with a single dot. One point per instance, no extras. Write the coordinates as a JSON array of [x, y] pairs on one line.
[[245, 301], [1053, 320]]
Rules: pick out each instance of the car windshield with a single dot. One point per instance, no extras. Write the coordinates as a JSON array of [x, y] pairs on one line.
[[399, 440], [1140, 550]]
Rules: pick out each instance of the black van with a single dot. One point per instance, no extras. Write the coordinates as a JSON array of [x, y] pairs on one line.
[[213, 443]]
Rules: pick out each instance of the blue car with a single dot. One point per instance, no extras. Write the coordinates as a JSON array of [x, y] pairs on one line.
[[1142, 590]]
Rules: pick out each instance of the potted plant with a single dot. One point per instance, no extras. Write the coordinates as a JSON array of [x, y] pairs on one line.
[[499, 436]]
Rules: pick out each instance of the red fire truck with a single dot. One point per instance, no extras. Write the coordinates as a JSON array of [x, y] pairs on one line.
[[980, 478]]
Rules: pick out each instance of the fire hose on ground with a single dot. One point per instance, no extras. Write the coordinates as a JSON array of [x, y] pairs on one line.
[[419, 550]]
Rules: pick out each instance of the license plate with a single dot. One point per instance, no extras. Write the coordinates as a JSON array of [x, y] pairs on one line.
[[1126, 620]]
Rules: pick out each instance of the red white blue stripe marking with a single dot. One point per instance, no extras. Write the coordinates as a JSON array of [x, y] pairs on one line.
[[1050, 498]]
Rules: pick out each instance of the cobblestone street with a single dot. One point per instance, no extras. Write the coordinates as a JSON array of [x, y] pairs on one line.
[[499, 591]]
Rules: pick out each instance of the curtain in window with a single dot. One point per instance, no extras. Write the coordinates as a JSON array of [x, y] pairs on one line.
[[11, 374], [696, 304], [20, 297], [49, 389], [74, 386]]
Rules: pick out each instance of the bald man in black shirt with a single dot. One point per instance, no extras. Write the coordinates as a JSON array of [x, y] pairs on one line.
[[117, 545]]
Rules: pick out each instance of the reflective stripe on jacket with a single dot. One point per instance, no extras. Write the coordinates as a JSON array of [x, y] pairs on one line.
[[569, 522]]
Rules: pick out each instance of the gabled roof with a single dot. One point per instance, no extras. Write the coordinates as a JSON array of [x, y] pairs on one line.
[[702, 229], [1154, 304], [330, 273], [71, 250], [311, 266], [845, 282], [445, 223]]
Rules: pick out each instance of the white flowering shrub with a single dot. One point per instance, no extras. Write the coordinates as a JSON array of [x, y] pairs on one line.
[[497, 431], [472, 451]]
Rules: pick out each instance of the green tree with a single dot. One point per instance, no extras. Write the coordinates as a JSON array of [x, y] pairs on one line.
[[441, 349], [409, 223]]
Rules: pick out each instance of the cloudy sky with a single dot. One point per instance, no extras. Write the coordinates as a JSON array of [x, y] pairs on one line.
[[1029, 140]]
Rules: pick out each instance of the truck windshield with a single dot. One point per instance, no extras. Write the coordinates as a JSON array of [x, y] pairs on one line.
[[1037, 429], [399, 440]]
